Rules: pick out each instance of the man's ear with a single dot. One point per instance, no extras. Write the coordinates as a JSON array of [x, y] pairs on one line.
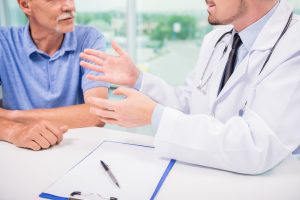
[[25, 6]]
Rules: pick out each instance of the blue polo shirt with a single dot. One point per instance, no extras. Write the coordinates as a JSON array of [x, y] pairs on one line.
[[32, 79]]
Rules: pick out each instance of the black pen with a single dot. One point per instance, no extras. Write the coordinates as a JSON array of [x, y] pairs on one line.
[[106, 168]]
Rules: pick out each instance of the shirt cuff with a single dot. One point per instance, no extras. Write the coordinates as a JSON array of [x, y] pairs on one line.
[[156, 116], [138, 83], [297, 151]]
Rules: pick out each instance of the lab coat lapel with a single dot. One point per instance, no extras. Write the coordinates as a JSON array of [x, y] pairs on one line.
[[265, 41], [270, 34], [273, 28]]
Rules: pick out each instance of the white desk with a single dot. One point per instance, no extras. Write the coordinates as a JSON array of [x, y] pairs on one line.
[[24, 174]]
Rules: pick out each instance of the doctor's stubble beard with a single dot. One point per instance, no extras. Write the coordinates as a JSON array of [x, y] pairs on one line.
[[212, 20]]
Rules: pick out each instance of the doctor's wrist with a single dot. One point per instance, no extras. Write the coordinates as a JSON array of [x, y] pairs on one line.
[[156, 116], [138, 81]]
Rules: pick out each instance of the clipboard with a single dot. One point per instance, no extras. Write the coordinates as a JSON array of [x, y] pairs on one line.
[[139, 171]]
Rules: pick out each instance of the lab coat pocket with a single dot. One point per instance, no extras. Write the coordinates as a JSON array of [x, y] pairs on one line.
[[250, 97]]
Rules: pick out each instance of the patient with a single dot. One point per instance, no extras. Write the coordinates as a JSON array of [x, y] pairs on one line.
[[44, 87]]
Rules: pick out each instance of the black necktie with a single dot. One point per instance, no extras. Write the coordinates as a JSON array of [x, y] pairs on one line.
[[229, 68]]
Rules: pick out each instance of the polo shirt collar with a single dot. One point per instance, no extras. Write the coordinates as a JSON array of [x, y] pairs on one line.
[[29, 46], [70, 42]]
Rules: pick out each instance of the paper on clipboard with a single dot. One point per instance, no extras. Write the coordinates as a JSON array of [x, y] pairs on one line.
[[137, 169]]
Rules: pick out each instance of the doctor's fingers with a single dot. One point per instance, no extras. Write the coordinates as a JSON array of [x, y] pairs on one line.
[[124, 91], [118, 49], [104, 104], [103, 78], [91, 66], [92, 58], [105, 114], [109, 121], [96, 53], [118, 122]]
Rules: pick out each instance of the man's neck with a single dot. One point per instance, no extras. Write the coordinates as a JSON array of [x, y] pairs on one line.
[[46, 41], [254, 12]]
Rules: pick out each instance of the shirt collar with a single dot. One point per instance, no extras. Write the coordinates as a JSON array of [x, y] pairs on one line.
[[29, 45], [69, 43], [249, 35]]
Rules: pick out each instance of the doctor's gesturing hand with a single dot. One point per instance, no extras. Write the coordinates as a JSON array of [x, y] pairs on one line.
[[136, 109], [118, 70]]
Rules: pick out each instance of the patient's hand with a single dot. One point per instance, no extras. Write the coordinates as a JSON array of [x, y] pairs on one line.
[[36, 136]]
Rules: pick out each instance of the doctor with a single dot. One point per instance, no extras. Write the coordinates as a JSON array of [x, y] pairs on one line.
[[238, 110]]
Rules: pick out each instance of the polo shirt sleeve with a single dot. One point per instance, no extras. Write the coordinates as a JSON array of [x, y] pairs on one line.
[[1, 60], [93, 40]]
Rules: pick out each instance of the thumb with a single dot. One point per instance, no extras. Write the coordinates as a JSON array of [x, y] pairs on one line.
[[124, 91], [64, 129], [117, 48]]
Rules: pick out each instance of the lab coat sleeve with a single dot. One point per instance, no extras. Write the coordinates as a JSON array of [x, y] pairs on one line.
[[175, 97], [252, 144]]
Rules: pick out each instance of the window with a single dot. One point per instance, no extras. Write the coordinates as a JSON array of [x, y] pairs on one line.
[[154, 35], [169, 36], [296, 5], [109, 17], [10, 13]]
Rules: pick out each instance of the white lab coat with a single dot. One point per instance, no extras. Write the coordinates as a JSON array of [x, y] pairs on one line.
[[204, 128]]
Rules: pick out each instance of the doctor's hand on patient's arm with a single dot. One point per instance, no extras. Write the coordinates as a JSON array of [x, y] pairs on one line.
[[118, 70], [133, 111], [35, 136]]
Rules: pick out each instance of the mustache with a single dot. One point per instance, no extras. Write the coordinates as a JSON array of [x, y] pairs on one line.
[[66, 15], [209, 2]]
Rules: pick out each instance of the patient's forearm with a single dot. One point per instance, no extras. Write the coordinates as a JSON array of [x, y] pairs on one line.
[[72, 116]]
